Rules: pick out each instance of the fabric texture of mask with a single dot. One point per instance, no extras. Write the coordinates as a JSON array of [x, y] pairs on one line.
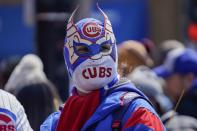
[[90, 53]]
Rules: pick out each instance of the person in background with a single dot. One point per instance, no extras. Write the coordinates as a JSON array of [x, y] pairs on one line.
[[100, 100], [35, 92], [179, 70], [166, 46], [152, 86], [12, 114], [6, 68], [131, 55], [189, 100]]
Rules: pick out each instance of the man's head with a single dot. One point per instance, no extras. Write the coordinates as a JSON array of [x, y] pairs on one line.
[[131, 55], [179, 70], [90, 53], [166, 46]]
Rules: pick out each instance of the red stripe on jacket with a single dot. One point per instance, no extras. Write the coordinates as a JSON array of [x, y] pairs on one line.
[[145, 117]]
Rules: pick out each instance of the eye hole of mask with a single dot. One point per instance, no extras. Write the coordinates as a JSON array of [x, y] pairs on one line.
[[81, 49], [105, 47]]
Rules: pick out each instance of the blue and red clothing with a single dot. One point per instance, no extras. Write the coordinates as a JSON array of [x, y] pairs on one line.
[[95, 112]]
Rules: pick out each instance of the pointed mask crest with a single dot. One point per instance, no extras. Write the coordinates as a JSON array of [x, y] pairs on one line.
[[106, 19], [71, 20]]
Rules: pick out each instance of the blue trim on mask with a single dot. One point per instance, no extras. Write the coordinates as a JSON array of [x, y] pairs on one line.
[[93, 49]]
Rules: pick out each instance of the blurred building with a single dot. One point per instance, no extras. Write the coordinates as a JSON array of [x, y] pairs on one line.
[[16, 27], [129, 18], [166, 20]]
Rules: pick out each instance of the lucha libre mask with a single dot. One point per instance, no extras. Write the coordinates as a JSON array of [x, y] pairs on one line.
[[90, 53]]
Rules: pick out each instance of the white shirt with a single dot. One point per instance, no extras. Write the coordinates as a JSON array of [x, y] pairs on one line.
[[12, 114]]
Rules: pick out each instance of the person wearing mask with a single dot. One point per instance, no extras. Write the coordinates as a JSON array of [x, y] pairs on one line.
[[101, 100]]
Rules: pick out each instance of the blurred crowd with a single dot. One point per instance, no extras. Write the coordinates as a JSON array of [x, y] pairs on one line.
[[169, 83], [25, 79]]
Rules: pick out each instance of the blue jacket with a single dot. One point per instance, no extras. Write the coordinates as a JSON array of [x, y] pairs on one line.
[[140, 116]]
